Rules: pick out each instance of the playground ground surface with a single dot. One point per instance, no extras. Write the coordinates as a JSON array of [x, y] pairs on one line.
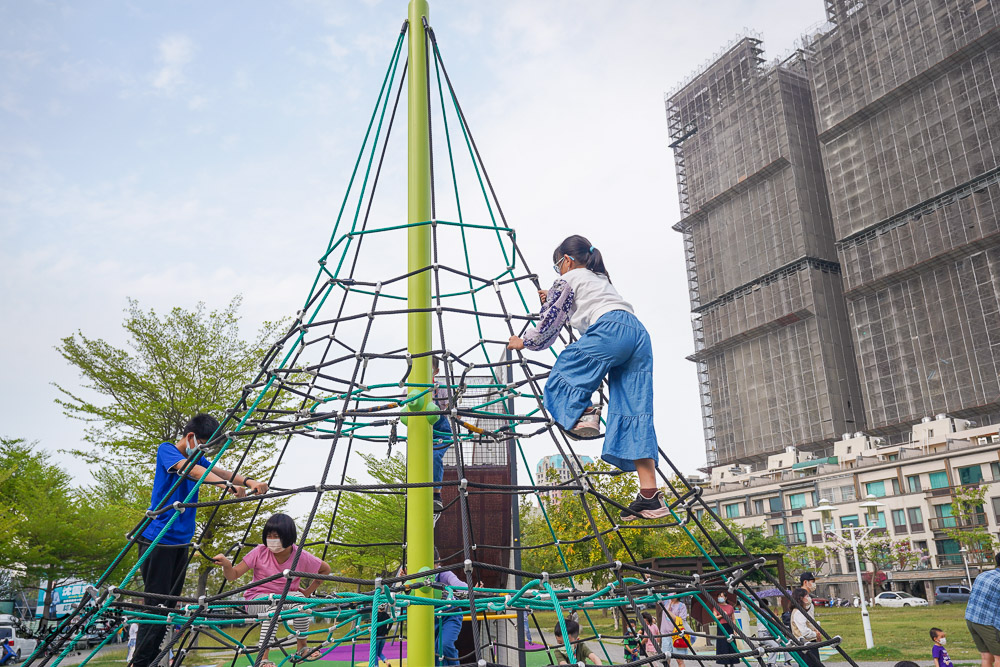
[[900, 634]]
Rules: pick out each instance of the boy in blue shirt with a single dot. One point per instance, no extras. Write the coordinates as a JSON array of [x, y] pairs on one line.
[[938, 652], [164, 568]]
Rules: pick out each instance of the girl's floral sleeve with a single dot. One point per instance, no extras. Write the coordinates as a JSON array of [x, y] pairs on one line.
[[553, 316]]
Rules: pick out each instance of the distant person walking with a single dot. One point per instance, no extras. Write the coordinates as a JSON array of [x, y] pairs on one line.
[[982, 615]]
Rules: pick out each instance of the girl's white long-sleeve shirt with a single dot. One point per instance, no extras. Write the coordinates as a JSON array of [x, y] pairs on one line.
[[581, 296]]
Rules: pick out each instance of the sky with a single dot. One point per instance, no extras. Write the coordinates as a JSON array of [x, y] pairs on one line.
[[185, 152]]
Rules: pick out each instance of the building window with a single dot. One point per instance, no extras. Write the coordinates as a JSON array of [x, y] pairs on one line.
[[758, 508], [895, 486], [816, 528], [774, 504], [876, 489], [899, 520], [944, 516], [970, 475], [796, 501], [916, 519], [939, 479], [732, 511], [847, 493], [930, 434], [851, 520], [995, 471], [777, 531], [949, 553], [798, 533], [913, 483]]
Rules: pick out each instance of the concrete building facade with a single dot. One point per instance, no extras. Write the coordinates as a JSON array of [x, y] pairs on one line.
[[915, 481]]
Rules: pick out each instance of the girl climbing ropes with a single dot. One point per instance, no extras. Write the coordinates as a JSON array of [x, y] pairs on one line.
[[613, 343], [274, 556]]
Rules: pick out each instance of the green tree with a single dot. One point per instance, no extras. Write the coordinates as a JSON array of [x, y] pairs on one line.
[[173, 367], [970, 528], [134, 397], [365, 519], [807, 558], [51, 537]]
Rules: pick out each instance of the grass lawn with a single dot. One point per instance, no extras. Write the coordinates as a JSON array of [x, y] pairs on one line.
[[904, 629]]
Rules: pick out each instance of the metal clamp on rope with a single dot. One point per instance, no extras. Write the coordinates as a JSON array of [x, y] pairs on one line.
[[618, 565], [545, 577], [696, 578], [463, 486], [177, 506], [496, 286], [467, 566], [287, 574]]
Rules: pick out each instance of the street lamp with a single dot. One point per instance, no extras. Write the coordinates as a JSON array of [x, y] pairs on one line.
[[855, 535], [965, 562]]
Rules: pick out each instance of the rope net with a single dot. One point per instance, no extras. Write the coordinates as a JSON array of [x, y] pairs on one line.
[[336, 384]]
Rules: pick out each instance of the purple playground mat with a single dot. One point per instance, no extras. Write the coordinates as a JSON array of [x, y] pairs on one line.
[[359, 651]]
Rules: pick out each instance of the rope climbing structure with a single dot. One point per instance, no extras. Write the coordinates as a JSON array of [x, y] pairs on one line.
[[353, 373]]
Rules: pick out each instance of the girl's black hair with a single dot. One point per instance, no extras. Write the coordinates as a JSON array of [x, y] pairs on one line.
[[582, 251], [284, 526], [800, 594]]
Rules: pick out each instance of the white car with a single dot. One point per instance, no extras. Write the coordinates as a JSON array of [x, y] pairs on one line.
[[15, 638], [898, 599]]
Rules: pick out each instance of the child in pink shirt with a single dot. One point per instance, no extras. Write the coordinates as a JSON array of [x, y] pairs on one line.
[[274, 556]]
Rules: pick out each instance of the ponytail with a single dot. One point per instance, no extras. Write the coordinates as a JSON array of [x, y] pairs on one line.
[[583, 252]]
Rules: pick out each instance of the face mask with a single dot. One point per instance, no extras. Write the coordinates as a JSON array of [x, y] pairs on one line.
[[722, 599], [943, 640], [274, 544], [188, 449]]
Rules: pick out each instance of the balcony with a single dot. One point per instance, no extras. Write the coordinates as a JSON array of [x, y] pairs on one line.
[[795, 539], [949, 560], [900, 530], [941, 523], [948, 490]]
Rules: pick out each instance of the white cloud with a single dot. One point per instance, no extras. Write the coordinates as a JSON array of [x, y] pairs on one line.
[[175, 51]]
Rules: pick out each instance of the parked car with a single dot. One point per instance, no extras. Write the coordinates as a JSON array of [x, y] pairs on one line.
[[898, 599], [15, 638], [949, 594], [821, 602]]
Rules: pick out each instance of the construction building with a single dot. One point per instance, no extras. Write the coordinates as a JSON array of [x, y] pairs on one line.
[[839, 217], [908, 117], [772, 345]]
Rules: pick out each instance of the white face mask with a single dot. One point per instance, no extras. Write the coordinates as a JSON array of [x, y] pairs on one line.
[[722, 599], [274, 544], [942, 640]]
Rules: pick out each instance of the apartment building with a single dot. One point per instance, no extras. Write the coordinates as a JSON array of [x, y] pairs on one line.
[[560, 466], [914, 481]]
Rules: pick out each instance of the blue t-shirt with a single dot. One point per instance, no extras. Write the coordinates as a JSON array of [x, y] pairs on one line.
[[940, 656], [182, 530]]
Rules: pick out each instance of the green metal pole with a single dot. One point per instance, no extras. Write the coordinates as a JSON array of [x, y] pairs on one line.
[[419, 515]]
